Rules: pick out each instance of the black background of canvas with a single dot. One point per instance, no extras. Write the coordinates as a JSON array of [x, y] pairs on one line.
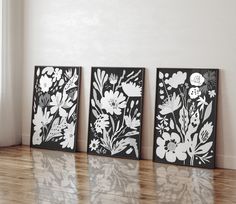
[[52, 145], [213, 116], [118, 71]]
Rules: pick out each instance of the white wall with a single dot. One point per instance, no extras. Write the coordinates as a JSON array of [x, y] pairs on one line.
[[11, 72], [149, 33]]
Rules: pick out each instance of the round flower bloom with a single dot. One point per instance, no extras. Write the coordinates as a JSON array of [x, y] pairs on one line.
[[176, 79], [196, 79], [113, 102], [94, 144], [194, 92], [169, 146], [45, 83], [57, 74], [69, 136], [131, 89], [101, 123]]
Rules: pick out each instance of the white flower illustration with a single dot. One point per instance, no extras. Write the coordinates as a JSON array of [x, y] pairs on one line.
[[205, 132], [57, 74], [48, 70], [131, 89], [169, 146], [45, 83], [94, 144], [132, 123], [161, 128], [113, 102], [196, 79], [113, 79], [101, 123], [176, 79], [61, 103], [41, 119], [170, 105], [194, 92], [202, 102], [69, 136], [212, 93], [37, 139]]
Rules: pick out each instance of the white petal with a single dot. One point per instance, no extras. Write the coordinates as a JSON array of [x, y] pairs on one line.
[[166, 136], [160, 152], [181, 156], [170, 156], [175, 136], [62, 112], [160, 141]]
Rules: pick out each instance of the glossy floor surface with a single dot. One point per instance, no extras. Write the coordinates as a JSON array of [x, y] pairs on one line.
[[43, 176]]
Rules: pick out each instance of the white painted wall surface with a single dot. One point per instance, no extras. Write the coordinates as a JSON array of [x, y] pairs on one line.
[[11, 72], [153, 33]]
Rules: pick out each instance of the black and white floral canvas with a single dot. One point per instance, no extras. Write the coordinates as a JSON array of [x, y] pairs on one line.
[[55, 108], [115, 116], [185, 118]]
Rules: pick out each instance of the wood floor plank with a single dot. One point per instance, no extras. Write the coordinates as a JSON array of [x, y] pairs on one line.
[[44, 176]]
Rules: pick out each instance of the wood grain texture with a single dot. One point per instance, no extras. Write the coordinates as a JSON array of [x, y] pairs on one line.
[[44, 176]]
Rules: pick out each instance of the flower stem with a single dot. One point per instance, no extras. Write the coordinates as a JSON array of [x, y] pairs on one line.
[[50, 126], [192, 161], [182, 138]]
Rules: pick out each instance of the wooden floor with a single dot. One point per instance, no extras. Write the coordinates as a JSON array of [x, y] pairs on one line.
[[42, 176]]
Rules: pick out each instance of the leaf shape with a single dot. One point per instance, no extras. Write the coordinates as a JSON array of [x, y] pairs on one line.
[[208, 111], [205, 132], [172, 126], [193, 144], [118, 126], [129, 151], [106, 142], [96, 98], [48, 70], [161, 75], [72, 110], [95, 85], [55, 130], [71, 83], [131, 133], [183, 119], [193, 125], [95, 113], [112, 124], [123, 143], [204, 148]]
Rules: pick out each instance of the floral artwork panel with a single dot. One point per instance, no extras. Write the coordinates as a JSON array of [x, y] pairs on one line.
[[115, 117], [55, 108], [185, 117]]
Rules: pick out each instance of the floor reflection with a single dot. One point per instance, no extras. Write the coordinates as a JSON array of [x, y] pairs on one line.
[[108, 180], [113, 179], [177, 184], [55, 176]]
